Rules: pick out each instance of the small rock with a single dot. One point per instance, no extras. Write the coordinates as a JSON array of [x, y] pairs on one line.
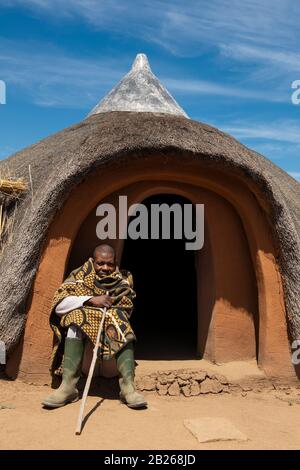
[[148, 383], [163, 379], [221, 378], [234, 388], [162, 389], [186, 390], [170, 378], [195, 389], [174, 389], [200, 376], [217, 386], [184, 376], [206, 386], [210, 375], [182, 382], [282, 387], [211, 386], [246, 388], [214, 429]]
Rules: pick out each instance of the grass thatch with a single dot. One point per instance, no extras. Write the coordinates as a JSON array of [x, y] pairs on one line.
[[12, 187], [10, 190]]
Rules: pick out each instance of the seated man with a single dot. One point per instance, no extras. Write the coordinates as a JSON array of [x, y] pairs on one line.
[[76, 314]]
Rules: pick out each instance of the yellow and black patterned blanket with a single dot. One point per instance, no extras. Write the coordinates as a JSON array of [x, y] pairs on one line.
[[117, 331]]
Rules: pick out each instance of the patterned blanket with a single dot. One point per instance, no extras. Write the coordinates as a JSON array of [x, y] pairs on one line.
[[117, 331]]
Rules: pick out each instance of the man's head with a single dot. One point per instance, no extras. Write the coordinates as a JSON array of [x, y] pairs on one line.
[[104, 260]]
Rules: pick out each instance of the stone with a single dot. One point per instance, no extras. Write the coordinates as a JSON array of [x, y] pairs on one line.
[[162, 389], [207, 386], [195, 389], [184, 376], [217, 387], [221, 378], [170, 378], [148, 383], [282, 387], [183, 382], [200, 376], [163, 379], [246, 388], [174, 389], [186, 390], [235, 388], [213, 429]]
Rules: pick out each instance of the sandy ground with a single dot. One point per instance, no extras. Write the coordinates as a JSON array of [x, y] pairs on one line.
[[270, 420]]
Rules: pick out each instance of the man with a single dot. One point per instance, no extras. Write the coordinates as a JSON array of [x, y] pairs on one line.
[[76, 314]]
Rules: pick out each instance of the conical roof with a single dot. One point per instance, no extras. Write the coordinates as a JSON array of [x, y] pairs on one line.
[[139, 91]]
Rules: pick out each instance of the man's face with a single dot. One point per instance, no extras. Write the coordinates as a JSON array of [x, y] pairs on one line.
[[104, 263]]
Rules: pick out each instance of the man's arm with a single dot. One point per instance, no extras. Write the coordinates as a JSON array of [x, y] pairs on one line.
[[100, 301], [76, 301], [71, 303]]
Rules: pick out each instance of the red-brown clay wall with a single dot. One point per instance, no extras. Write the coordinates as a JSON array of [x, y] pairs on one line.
[[238, 259]]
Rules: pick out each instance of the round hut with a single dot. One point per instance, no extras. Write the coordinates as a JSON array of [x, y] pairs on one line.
[[235, 299]]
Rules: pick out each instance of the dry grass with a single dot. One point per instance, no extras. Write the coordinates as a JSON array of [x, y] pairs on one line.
[[9, 189], [12, 187]]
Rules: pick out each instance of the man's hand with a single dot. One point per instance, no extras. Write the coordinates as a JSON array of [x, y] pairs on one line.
[[100, 301]]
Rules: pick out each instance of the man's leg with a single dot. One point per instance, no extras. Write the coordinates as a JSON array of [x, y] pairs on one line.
[[126, 368], [73, 355]]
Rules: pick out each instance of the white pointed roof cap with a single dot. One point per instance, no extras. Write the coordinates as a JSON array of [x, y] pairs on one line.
[[139, 91]]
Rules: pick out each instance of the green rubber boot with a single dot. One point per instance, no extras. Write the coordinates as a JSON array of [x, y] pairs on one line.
[[126, 366], [67, 391]]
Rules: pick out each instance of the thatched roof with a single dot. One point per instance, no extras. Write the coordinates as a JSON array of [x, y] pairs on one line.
[[61, 161]]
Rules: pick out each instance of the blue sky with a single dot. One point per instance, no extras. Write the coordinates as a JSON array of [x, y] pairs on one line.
[[229, 63]]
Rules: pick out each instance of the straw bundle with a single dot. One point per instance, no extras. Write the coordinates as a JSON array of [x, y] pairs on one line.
[[12, 187]]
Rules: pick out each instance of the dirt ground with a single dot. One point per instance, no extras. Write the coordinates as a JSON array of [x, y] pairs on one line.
[[270, 419]]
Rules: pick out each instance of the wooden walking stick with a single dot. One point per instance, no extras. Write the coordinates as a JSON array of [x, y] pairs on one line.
[[91, 372]]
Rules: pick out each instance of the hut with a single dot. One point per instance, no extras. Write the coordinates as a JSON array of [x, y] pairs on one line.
[[236, 299]]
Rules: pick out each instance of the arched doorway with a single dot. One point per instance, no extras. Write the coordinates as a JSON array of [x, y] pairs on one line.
[[226, 325], [165, 316]]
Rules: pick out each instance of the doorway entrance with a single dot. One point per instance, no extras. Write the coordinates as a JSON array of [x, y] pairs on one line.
[[164, 273]]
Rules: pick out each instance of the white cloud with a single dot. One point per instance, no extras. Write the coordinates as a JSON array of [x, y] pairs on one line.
[[49, 77], [192, 87], [277, 140], [287, 60], [175, 22], [262, 33], [284, 131]]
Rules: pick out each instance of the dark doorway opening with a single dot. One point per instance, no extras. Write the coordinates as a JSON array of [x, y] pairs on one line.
[[165, 315]]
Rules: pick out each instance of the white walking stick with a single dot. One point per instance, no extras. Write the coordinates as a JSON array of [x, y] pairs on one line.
[[91, 372]]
